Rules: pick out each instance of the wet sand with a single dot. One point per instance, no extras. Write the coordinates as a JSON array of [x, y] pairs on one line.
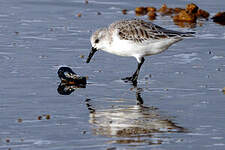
[[178, 104]]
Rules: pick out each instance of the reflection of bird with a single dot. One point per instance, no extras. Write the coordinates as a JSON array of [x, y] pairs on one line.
[[132, 121], [135, 38], [67, 75]]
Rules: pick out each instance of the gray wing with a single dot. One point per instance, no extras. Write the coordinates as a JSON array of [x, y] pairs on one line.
[[139, 31]]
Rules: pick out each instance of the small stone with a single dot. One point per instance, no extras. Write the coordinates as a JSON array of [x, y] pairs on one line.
[[79, 15], [219, 18], [151, 9], [202, 14], [185, 17], [47, 117], [39, 118], [84, 132], [140, 11], [17, 33], [164, 10], [86, 1], [177, 10], [223, 90], [124, 11], [7, 140], [19, 120], [151, 15], [191, 8], [98, 13], [81, 56]]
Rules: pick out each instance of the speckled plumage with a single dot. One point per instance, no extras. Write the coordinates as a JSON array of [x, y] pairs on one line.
[[138, 31], [135, 38]]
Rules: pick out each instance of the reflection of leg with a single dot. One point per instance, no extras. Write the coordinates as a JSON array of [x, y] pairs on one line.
[[134, 77], [139, 98], [89, 106]]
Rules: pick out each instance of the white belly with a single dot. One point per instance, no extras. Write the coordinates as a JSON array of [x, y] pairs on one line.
[[130, 48]]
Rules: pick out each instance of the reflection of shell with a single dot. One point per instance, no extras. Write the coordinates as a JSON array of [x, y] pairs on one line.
[[131, 121], [65, 89]]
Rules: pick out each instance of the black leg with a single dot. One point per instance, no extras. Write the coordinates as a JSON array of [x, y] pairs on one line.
[[139, 98], [134, 77], [89, 106]]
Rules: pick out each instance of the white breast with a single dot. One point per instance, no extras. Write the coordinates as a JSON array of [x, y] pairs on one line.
[[146, 48]]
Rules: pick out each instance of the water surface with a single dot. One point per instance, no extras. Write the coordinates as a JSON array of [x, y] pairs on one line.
[[178, 103]]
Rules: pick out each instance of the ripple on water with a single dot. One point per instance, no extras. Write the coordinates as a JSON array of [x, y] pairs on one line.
[[32, 21], [183, 58], [186, 58], [39, 38], [5, 56], [217, 57], [109, 3]]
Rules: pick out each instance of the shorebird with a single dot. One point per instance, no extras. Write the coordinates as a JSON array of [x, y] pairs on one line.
[[136, 38]]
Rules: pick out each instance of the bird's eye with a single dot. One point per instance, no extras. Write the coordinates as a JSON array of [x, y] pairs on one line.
[[97, 40]]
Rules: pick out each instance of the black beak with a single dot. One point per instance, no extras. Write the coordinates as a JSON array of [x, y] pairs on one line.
[[93, 50]]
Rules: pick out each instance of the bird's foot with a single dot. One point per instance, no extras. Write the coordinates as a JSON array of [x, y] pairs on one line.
[[132, 79]]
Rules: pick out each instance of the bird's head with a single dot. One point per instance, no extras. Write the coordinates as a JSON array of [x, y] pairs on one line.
[[98, 41]]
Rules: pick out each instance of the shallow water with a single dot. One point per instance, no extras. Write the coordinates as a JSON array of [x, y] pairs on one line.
[[179, 103]]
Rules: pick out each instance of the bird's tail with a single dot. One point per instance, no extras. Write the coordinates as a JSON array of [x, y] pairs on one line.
[[187, 34], [172, 33]]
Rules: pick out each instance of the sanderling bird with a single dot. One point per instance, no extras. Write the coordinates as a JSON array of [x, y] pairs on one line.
[[136, 38]]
